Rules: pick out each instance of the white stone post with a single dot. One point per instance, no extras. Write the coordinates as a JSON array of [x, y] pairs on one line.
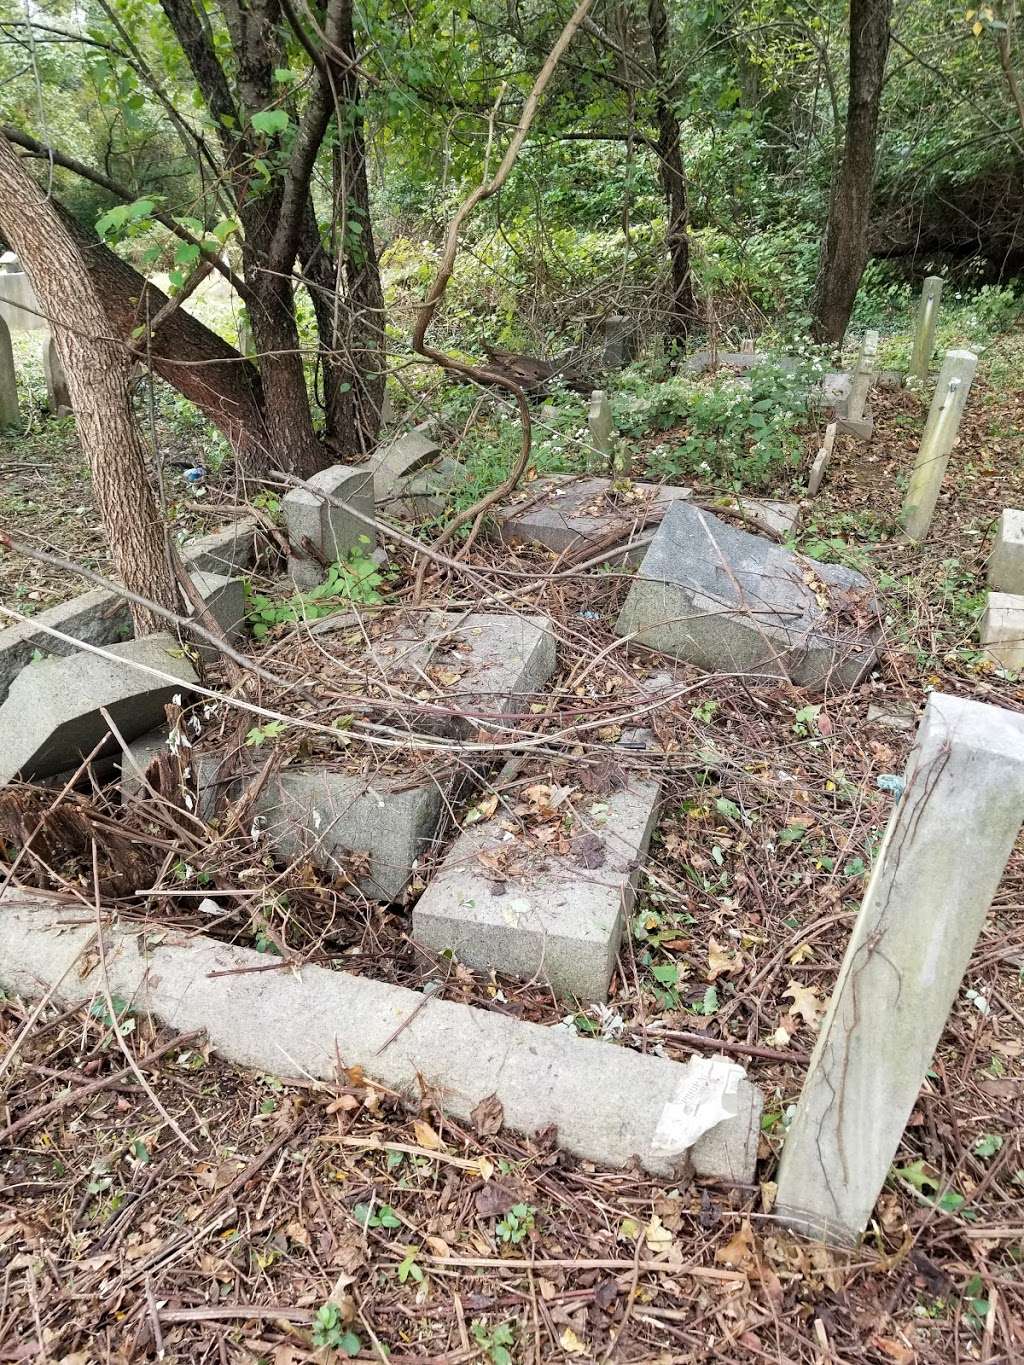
[[821, 460], [940, 431], [599, 423], [863, 377], [934, 877], [10, 416], [924, 331]]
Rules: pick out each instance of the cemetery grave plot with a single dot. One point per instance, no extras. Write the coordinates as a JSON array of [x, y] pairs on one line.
[[770, 803]]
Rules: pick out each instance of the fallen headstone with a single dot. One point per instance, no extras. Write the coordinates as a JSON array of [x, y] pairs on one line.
[[506, 901], [10, 415], [1006, 562], [923, 910], [566, 514], [1002, 629], [52, 717], [474, 670], [730, 602], [894, 715], [602, 1102], [333, 531]]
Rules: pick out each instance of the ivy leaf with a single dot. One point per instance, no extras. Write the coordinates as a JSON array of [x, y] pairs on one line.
[[270, 121]]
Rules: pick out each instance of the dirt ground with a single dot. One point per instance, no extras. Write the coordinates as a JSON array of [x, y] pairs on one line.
[[275, 1219]]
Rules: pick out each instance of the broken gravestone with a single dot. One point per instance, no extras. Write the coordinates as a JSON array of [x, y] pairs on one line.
[[478, 667], [225, 600], [730, 602], [507, 901], [921, 916], [52, 718], [319, 532], [1006, 562], [1002, 630], [821, 460], [401, 459]]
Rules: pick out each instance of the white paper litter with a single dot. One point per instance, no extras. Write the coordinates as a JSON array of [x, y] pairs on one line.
[[705, 1095]]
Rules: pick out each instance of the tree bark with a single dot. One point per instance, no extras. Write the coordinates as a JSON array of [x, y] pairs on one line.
[[98, 370], [682, 312], [844, 252]]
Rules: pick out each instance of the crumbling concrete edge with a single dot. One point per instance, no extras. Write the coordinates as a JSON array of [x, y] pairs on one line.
[[607, 1103]]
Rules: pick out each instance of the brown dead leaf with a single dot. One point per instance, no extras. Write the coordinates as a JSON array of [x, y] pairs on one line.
[[488, 1116], [498, 1197], [588, 850], [426, 1136], [721, 961], [895, 1350], [738, 1252], [808, 1003]]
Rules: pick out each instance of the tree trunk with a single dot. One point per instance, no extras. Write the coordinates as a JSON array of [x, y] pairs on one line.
[[844, 252], [682, 312], [186, 354], [98, 371]]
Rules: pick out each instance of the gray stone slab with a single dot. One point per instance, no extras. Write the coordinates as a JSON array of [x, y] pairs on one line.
[[19, 306], [1002, 630], [133, 765], [399, 460], [226, 551], [767, 514], [426, 494], [893, 715], [503, 901], [225, 600], [821, 460], [51, 719], [10, 414], [730, 602], [933, 880], [94, 618], [601, 428], [334, 531], [605, 1103], [565, 513], [621, 341], [1006, 562]]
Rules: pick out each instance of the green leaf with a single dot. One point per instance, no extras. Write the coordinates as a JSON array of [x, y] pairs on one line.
[[270, 121], [186, 254], [988, 1145]]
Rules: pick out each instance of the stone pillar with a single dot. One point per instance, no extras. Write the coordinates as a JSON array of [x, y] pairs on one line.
[[333, 532], [1006, 562], [9, 413], [924, 330], [57, 393], [863, 377], [821, 460], [940, 431], [599, 422], [1001, 631], [620, 341], [936, 872]]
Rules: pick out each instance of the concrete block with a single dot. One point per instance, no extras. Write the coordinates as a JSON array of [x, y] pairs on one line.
[[225, 599], [604, 1102], [863, 427], [332, 530], [565, 513], [475, 669], [226, 551], [730, 602], [601, 428], [19, 307], [1002, 630], [545, 916], [51, 719], [767, 514], [935, 873], [398, 461], [1006, 562], [428, 493]]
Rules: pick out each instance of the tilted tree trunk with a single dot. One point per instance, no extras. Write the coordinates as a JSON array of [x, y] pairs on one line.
[[844, 252], [683, 312], [98, 369]]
